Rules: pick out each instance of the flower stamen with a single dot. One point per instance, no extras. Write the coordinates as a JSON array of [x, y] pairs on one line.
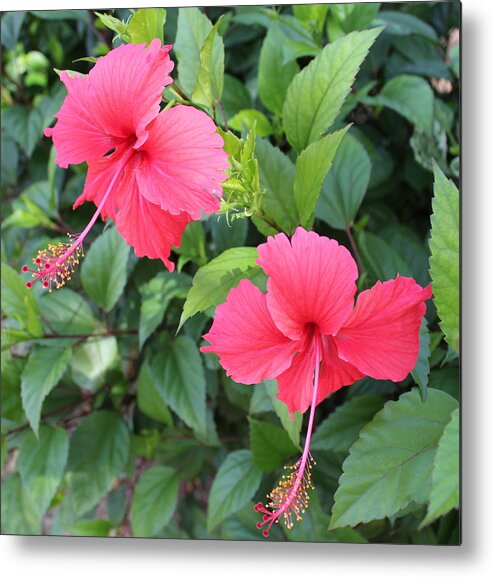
[[56, 263], [289, 500]]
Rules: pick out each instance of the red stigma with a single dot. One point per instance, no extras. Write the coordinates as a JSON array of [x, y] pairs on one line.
[[54, 265], [259, 525], [265, 533]]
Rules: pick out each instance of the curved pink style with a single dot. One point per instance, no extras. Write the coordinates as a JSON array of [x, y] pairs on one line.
[[307, 333], [164, 168]]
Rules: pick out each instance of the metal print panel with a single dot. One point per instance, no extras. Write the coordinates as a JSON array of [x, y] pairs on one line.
[[230, 273]]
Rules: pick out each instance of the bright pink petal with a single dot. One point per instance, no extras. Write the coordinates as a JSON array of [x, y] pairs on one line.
[[334, 372], [116, 101], [296, 383], [126, 87], [77, 136], [183, 162], [249, 346], [312, 280], [99, 176], [381, 338], [151, 231]]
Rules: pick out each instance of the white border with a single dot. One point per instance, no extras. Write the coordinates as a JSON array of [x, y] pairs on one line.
[[53, 557]]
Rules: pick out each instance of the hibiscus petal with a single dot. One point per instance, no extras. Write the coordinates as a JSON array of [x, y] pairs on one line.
[[126, 86], [77, 136], [381, 338], [150, 230], [311, 280], [249, 346], [334, 372], [296, 383], [116, 100], [183, 162], [99, 176]]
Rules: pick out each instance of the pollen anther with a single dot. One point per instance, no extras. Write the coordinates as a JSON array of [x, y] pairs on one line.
[[54, 265]]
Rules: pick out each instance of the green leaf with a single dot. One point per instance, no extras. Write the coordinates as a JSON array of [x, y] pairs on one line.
[[67, 313], [91, 528], [149, 398], [383, 261], [114, 24], [25, 125], [447, 380], [236, 96], [154, 501], [180, 379], [311, 168], [156, 296], [104, 269], [291, 425], [41, 464], [316, 94], [401, 24], [19, 517], [228, 234], [391, 463], [192, 246], [210, 81], [411, 247], [410, 96], [10, 28], [11, 405], [345, 18], [9, 162], [274, 76], [235, 484], [312, 15], [421, 371], [81, 15], [246, 119], [99, 450], [44, 368], [276, 173], [345, 186], [271, 445], [29, 213], [444, 260], [147, 24], [192, 29], [213, 281], [454, 56], [92, 359], [341, 429], [313, 526], [19, 303], [13, 336], [445, 479]]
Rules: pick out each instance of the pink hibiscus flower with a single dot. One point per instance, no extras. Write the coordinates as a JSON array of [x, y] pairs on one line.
[[151, 172], [307, 333]]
